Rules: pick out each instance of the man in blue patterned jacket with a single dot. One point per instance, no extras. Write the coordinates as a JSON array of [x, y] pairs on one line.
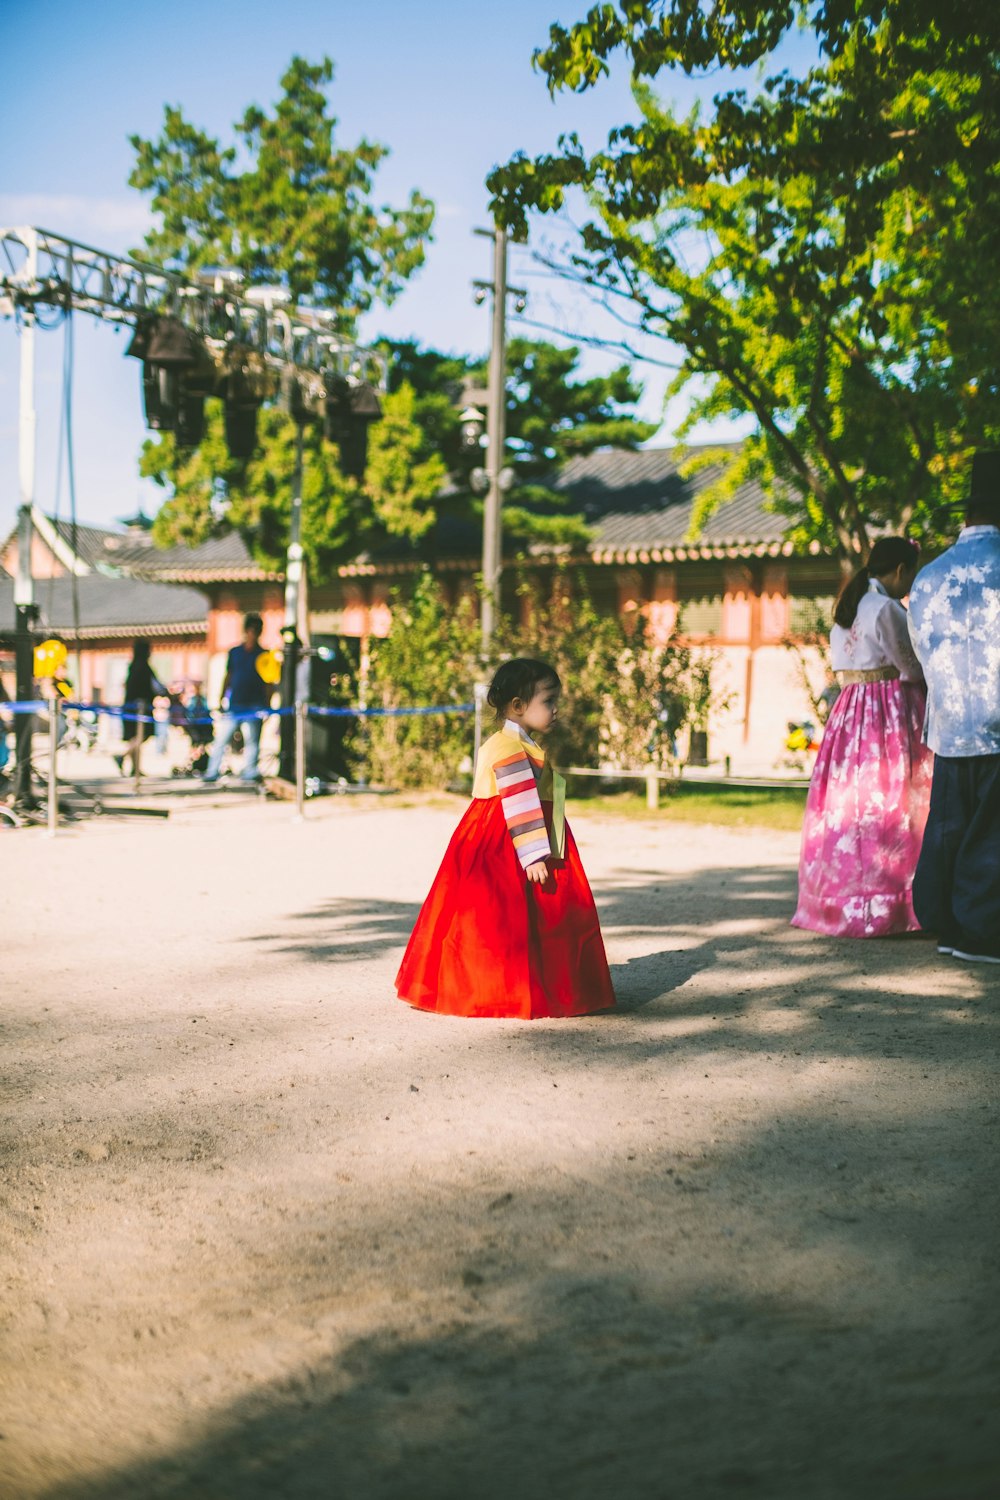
[[955, 627]]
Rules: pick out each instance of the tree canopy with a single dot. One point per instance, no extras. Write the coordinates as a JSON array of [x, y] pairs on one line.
[[821, 251], [418, 467], [552, 415], [286, 204]]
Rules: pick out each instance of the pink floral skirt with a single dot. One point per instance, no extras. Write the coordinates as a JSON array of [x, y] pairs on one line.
[[865, 814]]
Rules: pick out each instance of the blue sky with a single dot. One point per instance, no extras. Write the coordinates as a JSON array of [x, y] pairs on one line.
[[446, 84]]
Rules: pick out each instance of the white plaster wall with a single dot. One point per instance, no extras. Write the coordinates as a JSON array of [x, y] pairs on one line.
[[755, 743]]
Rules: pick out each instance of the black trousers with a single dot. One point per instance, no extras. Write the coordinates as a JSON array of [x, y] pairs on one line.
[[956, 888]]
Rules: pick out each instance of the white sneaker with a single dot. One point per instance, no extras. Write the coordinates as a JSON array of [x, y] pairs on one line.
[[976, 958]]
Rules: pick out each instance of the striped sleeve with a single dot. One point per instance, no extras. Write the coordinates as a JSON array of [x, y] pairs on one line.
[[522, 807]]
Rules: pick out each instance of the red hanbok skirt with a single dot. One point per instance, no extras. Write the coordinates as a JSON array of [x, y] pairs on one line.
[[488, 942]]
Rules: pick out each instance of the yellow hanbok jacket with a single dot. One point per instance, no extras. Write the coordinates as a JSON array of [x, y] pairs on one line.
[[512, 767]]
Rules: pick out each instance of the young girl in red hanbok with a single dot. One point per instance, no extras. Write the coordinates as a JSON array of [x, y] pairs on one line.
[[509, 927]]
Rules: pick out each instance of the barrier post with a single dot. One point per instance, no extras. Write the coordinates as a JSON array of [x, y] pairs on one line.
[[53, 808], [300, 759], [140, 730], [652, 788]]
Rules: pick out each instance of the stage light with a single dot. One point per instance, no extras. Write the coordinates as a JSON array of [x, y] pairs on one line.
[[177, 374], [364, 409]]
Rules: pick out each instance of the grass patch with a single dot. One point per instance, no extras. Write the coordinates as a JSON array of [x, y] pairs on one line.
[[693, 802]]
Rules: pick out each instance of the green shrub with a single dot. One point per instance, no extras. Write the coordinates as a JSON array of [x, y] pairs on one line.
[[625, 698], [428, 657]]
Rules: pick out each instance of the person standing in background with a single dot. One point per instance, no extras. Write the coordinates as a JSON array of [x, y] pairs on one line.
[[955, 627], [141, 687], [870, 786], [248, 695]]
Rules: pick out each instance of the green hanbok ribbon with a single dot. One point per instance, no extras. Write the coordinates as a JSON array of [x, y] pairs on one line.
[[558, 815]]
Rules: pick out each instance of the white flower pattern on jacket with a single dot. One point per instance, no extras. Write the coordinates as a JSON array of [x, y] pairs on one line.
[[955, 629]]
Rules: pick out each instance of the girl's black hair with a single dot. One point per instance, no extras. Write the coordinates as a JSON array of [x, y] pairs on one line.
[[519, 678], [886, 555]]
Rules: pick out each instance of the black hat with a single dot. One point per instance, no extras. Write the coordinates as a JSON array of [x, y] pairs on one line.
[[985, 489]]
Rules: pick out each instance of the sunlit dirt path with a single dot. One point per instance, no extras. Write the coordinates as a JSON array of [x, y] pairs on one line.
[[268, 1232]]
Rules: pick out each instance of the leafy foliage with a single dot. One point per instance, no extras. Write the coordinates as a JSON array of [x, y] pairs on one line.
[[822, 251], [428, 657], [213, 493], [404, 473], [625, 697], [287, 204], [552, 415]]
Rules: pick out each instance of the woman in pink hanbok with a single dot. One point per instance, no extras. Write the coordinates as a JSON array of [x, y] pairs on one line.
[[870, 788]]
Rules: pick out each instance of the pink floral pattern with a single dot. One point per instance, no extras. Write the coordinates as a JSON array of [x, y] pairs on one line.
[[865, 814]]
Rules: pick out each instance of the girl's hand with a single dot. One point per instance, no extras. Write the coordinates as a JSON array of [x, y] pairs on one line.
[[538, 873]]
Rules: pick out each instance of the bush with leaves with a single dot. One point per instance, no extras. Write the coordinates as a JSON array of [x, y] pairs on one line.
[[429, 657], [625, 697]]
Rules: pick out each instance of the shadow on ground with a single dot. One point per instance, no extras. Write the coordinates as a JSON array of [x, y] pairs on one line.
[[802, 1306], [517, 1357]]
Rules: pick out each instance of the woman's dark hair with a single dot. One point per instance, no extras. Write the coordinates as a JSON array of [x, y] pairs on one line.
[[885, 557], [140, 651], [519, 678]]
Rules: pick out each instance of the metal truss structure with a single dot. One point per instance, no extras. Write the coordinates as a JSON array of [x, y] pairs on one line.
[[39, 269]]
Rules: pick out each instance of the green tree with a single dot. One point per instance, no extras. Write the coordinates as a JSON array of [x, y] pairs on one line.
[[625, 696], [405, 473], [820, 251], [212, 493], [552, 414], [286, 204]]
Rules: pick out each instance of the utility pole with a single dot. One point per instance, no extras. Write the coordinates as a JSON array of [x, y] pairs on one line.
[[24, 592], [495, 479], [294, 569], [496, 433]]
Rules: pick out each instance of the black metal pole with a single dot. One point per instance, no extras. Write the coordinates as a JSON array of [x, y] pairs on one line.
[[24, 724], [25, 614], [290, 630]]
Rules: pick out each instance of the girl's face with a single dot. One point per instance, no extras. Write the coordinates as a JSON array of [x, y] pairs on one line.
[[539, 713]]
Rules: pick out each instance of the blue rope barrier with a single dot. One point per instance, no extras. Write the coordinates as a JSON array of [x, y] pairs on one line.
[[388, 713], [25, 706], [41, 705]]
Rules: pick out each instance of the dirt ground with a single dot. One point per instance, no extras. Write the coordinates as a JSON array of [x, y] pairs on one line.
[[268, 1232]]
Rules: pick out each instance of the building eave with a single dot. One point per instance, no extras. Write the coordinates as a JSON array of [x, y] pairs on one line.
[[69, 559], [737, 549], [205, 575]]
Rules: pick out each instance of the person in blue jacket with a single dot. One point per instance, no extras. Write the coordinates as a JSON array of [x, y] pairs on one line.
[[248, 695]]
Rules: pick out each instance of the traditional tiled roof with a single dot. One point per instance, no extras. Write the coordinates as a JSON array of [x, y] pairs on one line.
[[641, 500], [637, 502], [118, 607], [639, 507], [222, 559]]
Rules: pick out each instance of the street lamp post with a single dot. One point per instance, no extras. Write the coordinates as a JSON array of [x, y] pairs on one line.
[[495, 479], [496, 433], [294, 582], [25, 611]]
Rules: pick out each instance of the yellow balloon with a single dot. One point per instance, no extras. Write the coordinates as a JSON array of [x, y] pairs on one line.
[[50, 656], [269, 667]]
